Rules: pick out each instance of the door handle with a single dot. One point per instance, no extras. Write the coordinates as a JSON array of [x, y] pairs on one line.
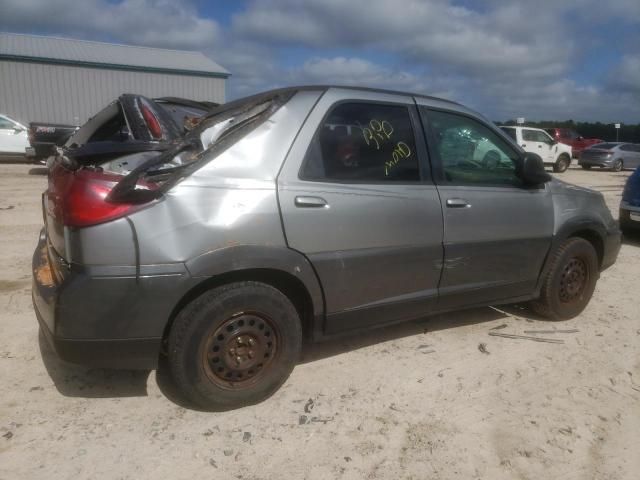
[[524, 144], [457, 203], [310, 202], [539, 146]]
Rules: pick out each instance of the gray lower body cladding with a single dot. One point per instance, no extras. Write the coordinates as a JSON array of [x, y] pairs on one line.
[[100, 317]]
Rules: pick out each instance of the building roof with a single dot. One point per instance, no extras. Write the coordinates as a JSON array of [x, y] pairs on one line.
[[68, 51]]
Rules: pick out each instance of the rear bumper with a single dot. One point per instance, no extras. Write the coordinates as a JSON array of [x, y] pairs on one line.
[[596, 162], [138, 353], [109, 321], [612, 244]]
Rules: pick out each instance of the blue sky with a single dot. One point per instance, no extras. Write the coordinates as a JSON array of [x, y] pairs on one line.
[[539, 60]]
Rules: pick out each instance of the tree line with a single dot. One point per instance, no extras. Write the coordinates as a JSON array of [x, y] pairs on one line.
[[605, 131]]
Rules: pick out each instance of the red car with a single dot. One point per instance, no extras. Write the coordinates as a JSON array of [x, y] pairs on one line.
[[571, 137]]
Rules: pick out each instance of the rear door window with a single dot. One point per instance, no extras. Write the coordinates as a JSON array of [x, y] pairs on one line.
[[363, 142]]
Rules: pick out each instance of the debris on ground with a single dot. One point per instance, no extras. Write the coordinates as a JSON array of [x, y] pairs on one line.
[[483, 348], [546, 332], [499, 327], [525, 337], [309, 406]]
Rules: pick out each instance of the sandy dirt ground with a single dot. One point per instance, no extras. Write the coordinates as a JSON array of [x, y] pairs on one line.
[[434, 399]]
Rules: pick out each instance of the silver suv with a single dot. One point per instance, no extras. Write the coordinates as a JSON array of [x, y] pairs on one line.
[[299, 214]]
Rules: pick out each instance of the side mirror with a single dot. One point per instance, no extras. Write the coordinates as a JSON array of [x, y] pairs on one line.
[[18, 129], [533, 172]]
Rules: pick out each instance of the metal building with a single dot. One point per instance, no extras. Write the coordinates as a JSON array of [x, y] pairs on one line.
[[61, 80]]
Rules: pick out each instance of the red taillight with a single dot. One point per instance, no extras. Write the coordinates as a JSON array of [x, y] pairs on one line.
[[79, 198], [151, 121]]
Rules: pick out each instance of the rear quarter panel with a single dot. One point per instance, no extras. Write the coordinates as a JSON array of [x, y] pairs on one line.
[[230, 201]]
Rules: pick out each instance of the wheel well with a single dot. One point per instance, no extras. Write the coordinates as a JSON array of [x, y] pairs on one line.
[[594, 239], [288, 284]]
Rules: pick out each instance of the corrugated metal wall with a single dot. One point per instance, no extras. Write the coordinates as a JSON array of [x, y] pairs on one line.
[[67, 94]]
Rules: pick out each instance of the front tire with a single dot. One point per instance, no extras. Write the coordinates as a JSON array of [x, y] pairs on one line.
[[234, 345], [562, 163], [569, 282]]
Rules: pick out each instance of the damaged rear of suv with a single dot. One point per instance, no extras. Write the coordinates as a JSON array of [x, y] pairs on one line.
[[299, 214]]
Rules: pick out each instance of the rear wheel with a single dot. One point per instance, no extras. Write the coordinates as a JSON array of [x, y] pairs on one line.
[[234, 345], [617, 165], [569, 282], [562, 163]]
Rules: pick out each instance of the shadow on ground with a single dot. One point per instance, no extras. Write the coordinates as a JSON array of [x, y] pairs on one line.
[[77, 381], [38, 171], [631, 238]]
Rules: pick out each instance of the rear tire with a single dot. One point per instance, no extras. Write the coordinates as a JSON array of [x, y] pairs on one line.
[[617, 166], [562, 163], [569, 282], [234, 345]]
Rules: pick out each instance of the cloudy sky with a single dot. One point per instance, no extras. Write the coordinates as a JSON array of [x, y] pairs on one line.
[[544, 59]]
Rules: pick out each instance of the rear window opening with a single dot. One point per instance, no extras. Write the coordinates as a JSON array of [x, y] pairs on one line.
[[95, 192]]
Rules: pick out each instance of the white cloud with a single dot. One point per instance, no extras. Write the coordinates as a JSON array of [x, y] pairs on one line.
[[505, 59], [160, 23]]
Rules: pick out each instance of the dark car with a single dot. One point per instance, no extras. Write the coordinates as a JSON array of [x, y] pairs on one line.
[[44, 138], [303, 213], [630, 204]]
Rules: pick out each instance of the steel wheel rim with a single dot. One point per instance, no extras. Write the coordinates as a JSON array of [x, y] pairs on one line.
[[574, 280], [238, 352]]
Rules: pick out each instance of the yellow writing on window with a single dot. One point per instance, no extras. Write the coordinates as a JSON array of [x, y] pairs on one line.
[[377, 132], [400, 151]]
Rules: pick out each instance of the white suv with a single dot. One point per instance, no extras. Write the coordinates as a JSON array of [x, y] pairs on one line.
[[536, 140]]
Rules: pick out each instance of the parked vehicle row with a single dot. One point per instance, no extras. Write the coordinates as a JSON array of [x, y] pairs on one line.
[[299, 213]]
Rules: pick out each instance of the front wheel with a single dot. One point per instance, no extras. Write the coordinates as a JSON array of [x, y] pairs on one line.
[[569, 282], [234, 345], [562, 163]]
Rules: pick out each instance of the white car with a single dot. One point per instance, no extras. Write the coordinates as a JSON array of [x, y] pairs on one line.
[[13, 138], [536, 140]]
